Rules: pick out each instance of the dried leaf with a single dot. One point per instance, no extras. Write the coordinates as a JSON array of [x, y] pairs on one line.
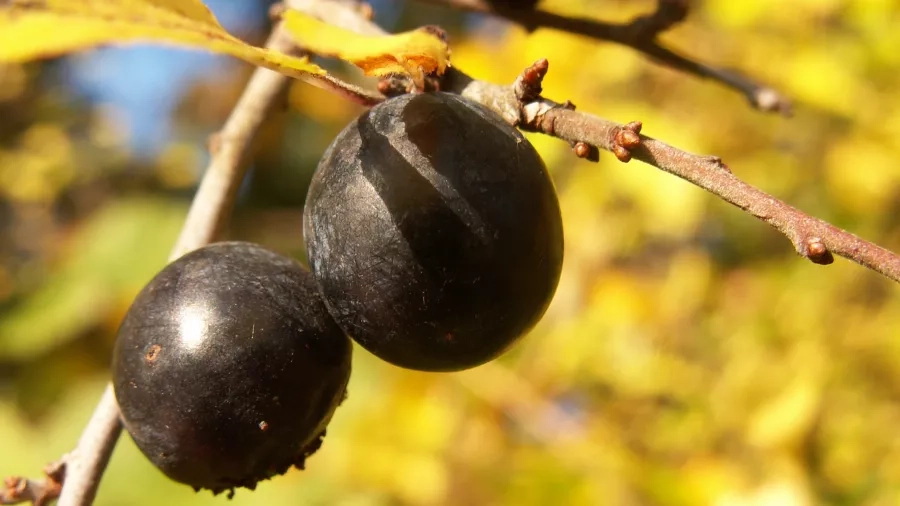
[[35, 29], [416, 52]]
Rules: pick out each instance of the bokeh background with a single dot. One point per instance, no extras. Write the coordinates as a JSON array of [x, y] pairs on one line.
[[689, 357]]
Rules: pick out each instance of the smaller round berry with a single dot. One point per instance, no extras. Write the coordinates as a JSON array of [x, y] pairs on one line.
[[227, 367]]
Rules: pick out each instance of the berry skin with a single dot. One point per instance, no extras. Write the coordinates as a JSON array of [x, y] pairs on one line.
[[434, 232], [227, 367]]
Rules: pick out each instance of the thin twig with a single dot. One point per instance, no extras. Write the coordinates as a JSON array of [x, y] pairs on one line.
[[811, 237], [209, 212], [17, 489], [640, 34]]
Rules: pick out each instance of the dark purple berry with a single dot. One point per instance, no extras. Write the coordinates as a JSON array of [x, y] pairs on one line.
[[227, 367], [434, 232]]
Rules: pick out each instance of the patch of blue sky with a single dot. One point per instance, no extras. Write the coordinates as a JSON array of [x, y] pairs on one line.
[[144, 83]]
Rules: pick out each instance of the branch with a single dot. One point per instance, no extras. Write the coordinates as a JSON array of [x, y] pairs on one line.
[[213, 202], [209, 212], [17, 489], [640, 34], [522, 105]]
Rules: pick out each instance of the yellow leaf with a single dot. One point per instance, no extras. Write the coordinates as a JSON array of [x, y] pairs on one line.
[[34, 29], [416, 52]]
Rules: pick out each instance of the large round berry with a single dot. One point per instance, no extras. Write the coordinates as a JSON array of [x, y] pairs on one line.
[[434, 232], [227, 367]]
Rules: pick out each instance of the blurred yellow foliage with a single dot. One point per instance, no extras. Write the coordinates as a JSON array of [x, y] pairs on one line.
[[178, 166], [12, 82], [40, 168]]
